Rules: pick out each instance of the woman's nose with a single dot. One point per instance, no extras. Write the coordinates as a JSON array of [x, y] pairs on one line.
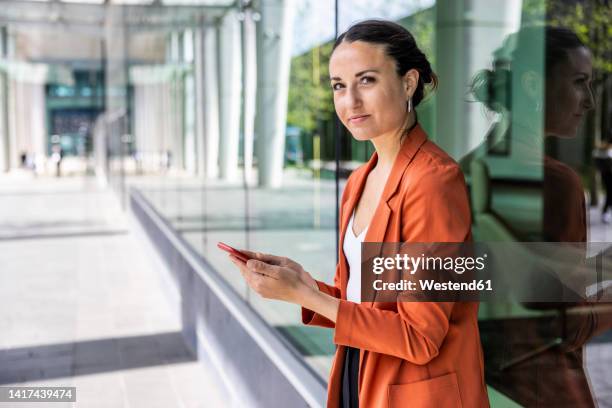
[[354, 98]]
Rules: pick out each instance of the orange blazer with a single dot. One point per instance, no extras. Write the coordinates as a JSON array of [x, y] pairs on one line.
[[413, 354]]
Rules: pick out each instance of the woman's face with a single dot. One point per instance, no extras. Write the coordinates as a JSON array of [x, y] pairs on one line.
[[568, 93], [369, 96]]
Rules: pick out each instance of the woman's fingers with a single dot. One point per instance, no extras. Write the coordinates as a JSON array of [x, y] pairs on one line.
[[263, 268], [248, 275], [253, 254], [254, 267], [255, 279], [267, 258]]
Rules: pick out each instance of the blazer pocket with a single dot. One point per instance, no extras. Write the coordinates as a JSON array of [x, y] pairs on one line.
[[438, 392]]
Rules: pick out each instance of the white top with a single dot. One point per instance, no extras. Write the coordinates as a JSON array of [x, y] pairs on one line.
[[352, 252]]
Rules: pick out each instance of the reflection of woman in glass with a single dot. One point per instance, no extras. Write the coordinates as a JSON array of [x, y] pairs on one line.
[[546, 101], [401, 353], [540, 107]]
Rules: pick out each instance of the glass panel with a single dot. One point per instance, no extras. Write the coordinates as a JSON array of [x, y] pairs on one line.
[[293, 213], [532, 176], [232, 136]]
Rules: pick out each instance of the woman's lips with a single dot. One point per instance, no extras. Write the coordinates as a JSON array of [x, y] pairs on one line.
[[358, 118]]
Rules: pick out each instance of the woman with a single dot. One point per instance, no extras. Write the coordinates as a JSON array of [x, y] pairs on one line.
[[389, 354], [603, 161], [547, 102]]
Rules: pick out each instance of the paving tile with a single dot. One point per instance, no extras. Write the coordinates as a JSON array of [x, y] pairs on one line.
[[89, 310]]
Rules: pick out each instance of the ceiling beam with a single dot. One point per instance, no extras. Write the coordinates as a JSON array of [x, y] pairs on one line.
[[92, 18]]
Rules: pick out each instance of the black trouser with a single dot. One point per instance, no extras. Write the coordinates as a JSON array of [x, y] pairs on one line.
[[349, 397], [607, 182]]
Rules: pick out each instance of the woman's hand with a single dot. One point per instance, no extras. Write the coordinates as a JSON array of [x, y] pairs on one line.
[[274, 277], [284, 262]]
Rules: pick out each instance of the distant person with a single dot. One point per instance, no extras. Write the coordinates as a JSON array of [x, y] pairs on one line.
[[56, 156], [603, 160], [390, 354]]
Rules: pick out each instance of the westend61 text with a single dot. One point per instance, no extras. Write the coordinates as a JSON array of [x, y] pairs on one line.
[[429, 284]]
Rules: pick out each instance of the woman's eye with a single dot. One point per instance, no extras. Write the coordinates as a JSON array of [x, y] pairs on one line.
[[583, 81], [363, 80]]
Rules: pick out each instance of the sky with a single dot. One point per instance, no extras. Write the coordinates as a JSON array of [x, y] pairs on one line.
[[314, 19]]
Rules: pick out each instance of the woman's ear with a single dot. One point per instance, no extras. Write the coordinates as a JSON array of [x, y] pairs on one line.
[[410, 81]]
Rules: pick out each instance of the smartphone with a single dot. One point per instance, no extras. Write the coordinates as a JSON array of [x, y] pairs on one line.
[[240, 255]]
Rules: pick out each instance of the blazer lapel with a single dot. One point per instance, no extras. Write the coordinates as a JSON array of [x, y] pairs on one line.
[[347, 211], [378, 225], [380, 220]]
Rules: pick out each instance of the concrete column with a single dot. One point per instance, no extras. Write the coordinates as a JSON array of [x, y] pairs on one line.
[[13, 114], [467, 33], [211, 102], [4, 101], [22, 108], [198, 76], [173, 103], [28, 116], [249, 78], [38, 122], [12, 105], [189, 102], [158, 120], [22, 120], [167, 122], [150, 126], [100, 152], [173, 47], [140, 135], [207, 101], [274, 41], [229, 96], [177, 135], [4, 125]]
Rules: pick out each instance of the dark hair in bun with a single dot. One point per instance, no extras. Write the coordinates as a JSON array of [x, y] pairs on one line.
[[399, 45]]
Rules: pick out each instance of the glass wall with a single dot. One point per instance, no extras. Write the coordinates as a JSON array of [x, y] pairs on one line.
[[227, 126], [535, 154]]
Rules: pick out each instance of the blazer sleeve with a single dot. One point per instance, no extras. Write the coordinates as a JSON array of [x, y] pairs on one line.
[[314, 319], [435, 209]]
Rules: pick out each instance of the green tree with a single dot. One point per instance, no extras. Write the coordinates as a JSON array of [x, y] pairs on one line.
[[591, 20], [310, 97]]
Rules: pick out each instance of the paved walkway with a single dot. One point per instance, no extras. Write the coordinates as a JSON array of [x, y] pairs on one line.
[[81, 306]]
